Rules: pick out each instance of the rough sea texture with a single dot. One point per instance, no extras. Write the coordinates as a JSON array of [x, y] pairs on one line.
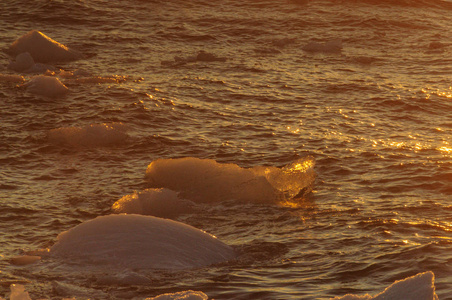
[[375, 115]]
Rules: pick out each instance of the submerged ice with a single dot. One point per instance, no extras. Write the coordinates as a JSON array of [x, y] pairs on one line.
[[140, 242], [91, 135], [205, 180]]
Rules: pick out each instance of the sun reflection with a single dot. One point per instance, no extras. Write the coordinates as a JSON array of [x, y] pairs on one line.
[[302, 166], [445, 149]]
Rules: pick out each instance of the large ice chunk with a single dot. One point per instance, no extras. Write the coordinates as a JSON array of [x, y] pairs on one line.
[[205, 180], [42, 48], [140, 242]]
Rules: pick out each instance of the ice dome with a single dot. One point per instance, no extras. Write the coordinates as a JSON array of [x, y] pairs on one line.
[[140, 242]]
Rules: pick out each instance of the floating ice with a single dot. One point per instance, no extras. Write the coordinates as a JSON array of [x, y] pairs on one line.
[[46, 86], [205, 180], [155, 202], [185, 295], [418, 287], [25, 260], [140, 242], [333, 46], [91, 135], [18, 292], [42, 48], [11, 78]]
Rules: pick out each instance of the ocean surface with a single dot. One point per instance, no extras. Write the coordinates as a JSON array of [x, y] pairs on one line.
[[360, 89]]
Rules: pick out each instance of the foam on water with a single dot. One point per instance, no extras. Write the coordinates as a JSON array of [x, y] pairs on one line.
[[140, 242], [205, 180], [90, 135]]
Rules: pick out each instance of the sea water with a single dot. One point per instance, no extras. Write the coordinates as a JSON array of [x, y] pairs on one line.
[[361, 89]]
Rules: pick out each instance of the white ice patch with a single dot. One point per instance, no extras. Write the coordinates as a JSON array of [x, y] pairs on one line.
[[156, 202], [140, 242], [205, 180], [418, 287], [46, 86], [91, 135], [42, 48]]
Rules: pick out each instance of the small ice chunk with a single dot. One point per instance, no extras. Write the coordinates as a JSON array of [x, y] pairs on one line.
[[418, 287], [24, 260], [92, 135], [11, 78], [18, 292], [185, 295], [156, 202], [46, 86]]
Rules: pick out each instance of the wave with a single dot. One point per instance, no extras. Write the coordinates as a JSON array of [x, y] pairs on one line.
[[205, 180]]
